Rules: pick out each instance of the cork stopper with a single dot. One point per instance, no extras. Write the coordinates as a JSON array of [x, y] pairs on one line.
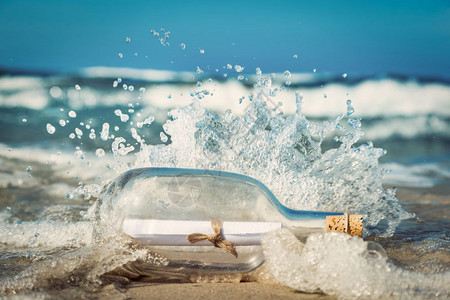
[[350, 224]]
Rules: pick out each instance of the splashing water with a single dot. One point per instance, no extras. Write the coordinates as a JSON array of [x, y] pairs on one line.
[[284, 152], [348, 267]]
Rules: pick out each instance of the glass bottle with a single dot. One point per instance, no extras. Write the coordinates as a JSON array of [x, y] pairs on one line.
[[187, 215]]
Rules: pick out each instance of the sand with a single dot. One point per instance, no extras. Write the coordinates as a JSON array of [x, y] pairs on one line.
[[229, 291]]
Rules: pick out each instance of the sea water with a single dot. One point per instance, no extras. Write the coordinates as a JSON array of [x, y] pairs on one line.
[[319, 142]]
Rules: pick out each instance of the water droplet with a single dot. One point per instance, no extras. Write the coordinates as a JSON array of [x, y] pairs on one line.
[[229, 66], [92, 135], [72, 136], [163, 137], [199, 84], [131, 88], [69, 196], [125, 87], [80, 154], [62, 123], [115, 83], [72, 114], [154, 32], [199, 71], [55, 91], [127, 39], [202, 51], [288, 82], [287, 74], [119, 80], [123, 117], [105, 132], [350, 109], [325, 96], [354, 122], [24, 120], [116, 128], [183, 46], [78, 132], [120, 55], [295, 56], [141, 90], [344, 75], [50, 128], [100, 152], [240, 77], [29, 169], [238, 68], [77, 87], [314, 70]]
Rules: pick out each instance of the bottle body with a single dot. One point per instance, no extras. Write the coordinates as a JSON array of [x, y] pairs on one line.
[[161, 207]]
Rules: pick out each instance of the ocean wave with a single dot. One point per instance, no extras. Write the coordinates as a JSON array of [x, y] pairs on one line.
[[423, 175], [371, 97], [406, 127], [148, 75]]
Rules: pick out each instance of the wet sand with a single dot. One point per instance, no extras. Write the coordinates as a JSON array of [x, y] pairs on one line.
[[243, 290]]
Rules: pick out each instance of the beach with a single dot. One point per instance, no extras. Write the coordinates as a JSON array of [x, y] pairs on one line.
[[59, 158]]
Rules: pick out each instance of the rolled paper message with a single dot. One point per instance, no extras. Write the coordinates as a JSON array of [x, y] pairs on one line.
[[350, 224], [174, 232]]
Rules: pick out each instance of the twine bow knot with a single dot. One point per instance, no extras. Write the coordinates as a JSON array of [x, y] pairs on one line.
[[216, 238]]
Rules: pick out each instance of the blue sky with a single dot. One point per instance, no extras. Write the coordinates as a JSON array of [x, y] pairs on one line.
[[364, 37]]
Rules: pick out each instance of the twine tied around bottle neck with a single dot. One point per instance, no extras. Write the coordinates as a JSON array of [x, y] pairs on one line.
[[216, 238]]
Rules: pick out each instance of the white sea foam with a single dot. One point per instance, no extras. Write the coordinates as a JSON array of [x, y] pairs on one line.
[[45, 234], [12, 83], [347, 267], [420, 175], [385, 97], [407, 127], [63, 165], [138, 74], [34, 99]]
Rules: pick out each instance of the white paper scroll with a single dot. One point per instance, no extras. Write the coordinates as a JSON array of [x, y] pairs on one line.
[[175, 232]]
